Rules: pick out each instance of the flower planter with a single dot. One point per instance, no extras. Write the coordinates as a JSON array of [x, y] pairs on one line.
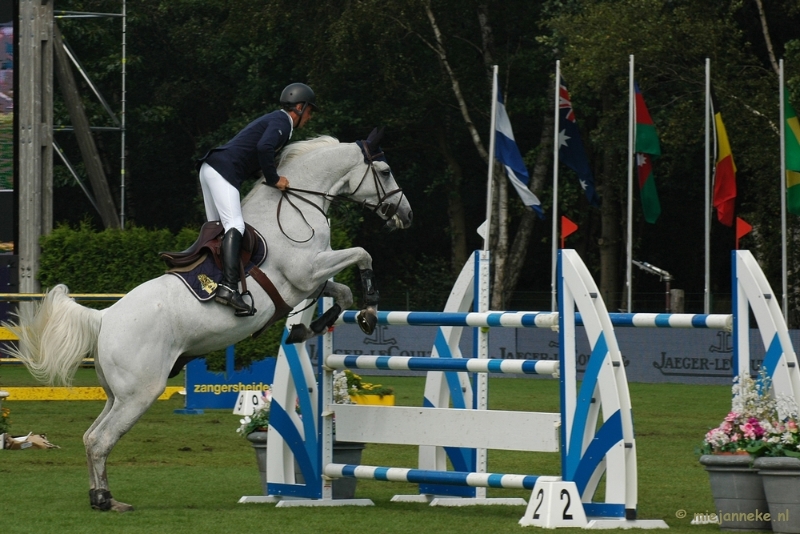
[[374, 400], [343, 453], [739, 498], [781, 480], [259, 442]]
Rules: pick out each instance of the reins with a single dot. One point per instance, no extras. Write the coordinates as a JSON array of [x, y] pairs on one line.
[[389, 210]]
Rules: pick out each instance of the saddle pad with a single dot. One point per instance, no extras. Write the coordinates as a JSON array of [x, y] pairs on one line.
[[202, 277]]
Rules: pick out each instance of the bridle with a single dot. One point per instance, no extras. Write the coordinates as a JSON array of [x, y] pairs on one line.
[[386, 210]]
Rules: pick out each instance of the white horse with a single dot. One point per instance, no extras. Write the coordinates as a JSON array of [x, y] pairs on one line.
[[137, 341]]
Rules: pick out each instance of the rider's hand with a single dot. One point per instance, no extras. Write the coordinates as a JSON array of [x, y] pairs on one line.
[[282, 184]]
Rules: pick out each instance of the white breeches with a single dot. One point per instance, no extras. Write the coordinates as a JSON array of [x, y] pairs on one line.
[[221, 199]]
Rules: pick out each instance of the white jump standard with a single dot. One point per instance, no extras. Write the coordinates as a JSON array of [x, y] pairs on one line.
[[592, 449]]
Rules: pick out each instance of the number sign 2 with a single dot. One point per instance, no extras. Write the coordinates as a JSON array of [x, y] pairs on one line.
[[554, 503]]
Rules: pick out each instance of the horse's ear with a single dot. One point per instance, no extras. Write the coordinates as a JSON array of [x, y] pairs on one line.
[[374, 140]]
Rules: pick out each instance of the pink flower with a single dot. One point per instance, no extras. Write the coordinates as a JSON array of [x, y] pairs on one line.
[[731, 417], [755, 426]]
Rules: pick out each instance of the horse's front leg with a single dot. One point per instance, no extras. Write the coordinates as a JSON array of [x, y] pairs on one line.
[[327, 264], [367, 318], [342, 297]]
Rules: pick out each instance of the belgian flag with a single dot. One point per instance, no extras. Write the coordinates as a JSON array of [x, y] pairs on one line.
[[724, 199]]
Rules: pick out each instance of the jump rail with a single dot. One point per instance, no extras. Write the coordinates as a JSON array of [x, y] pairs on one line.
[[592, 446], [416, 363], [544, 319]]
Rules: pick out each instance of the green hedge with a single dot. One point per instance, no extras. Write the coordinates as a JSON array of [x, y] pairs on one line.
[[116, 261], [110, 261]]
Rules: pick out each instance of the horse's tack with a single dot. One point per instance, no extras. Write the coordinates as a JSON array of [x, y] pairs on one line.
[[380, 192], [210, 242]]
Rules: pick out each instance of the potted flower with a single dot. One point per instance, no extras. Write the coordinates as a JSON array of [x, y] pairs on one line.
[[778, 464], [362, 392], [735, 485], [254, 427], [344, 452]]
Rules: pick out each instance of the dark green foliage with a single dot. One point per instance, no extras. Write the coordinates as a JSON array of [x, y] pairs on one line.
[[198, 70], [108, 261]]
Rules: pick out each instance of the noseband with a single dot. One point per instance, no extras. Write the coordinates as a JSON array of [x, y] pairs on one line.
[[381, 207]]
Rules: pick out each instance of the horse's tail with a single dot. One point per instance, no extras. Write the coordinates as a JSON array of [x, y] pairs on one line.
[[55, 336]]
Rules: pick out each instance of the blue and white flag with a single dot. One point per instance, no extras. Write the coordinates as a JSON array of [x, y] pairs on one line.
[[507, 153]]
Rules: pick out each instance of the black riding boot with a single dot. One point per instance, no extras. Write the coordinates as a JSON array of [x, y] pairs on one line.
[[228, 288]]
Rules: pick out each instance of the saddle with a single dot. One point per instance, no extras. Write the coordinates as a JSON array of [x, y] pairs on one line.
[[207, 251], [210, 241]]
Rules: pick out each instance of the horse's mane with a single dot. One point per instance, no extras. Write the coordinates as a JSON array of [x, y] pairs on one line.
[[295, 150]]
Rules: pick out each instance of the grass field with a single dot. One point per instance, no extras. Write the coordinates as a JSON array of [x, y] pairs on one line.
[[186, 473]]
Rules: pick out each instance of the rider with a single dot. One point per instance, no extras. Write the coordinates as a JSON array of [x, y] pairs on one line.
[[223, 169]]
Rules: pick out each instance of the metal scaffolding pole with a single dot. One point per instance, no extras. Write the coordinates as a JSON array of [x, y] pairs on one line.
[[118, 121]]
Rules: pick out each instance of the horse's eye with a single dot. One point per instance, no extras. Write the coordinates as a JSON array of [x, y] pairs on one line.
[[386, 173]]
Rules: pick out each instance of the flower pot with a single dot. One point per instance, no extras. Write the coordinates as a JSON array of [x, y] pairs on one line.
[[781, 480], [374, 400], [739, 500], [346, 453], [343, 453], [259, 442]]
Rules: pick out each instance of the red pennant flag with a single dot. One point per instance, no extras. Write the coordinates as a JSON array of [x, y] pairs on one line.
[[742, 229], [567, 229]]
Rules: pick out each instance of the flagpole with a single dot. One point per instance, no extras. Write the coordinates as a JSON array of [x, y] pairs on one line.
[[784, 190], [554, 246], [631, 134], [492, 124], [707, 267]]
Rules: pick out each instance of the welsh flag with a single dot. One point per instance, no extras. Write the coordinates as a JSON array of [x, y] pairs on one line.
[[647, 149], [792, 147]]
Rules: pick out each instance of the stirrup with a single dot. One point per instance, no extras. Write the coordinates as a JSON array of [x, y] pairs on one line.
[[230, 297], [250, 310]]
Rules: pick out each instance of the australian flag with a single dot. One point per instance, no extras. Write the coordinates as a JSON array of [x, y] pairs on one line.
[[570, 147], [507, 153]]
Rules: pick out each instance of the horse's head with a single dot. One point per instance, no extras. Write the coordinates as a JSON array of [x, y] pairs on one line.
[[376, 187]]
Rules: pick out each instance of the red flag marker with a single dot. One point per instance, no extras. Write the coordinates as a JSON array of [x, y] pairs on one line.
[[567, 228], [742, 229]]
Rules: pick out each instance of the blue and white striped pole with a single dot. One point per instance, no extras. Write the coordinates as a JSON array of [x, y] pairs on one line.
[[417, 363], [544, 319], [423, 476]]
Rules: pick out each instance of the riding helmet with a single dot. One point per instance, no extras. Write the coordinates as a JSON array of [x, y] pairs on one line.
[[295, 93]]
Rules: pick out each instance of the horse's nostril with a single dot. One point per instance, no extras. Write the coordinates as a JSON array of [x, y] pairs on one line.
[[410, 217]]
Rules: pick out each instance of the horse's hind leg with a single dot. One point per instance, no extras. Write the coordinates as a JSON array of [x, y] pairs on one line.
[[97, 478], [116, 419]]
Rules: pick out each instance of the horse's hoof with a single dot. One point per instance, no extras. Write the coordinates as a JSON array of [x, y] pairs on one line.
[[367, 320], [298, 334], [100, 499], [117, 506]]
